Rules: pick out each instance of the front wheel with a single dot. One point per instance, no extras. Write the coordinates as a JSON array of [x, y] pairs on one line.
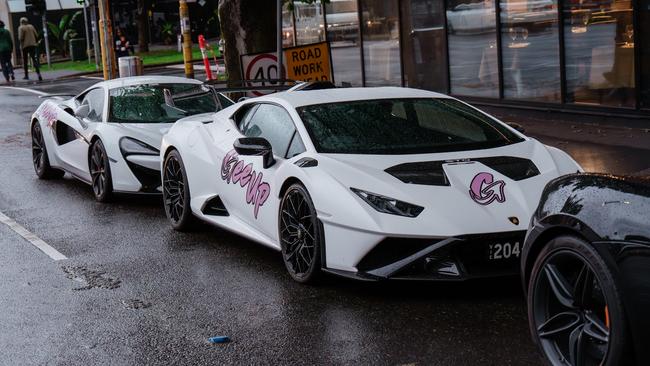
[[39, 156], [300, 236], [574, 306], [100, 172], [176, 193]]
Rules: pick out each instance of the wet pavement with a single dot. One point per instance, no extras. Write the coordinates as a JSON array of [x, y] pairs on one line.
[[133, 291]]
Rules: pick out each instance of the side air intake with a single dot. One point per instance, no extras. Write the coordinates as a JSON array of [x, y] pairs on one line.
[[215, 207]]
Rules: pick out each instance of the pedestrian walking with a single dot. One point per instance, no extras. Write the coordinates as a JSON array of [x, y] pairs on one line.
[[6, 47], [28, 40]]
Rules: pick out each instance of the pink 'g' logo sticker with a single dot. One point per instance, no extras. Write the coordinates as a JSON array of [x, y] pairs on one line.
[[484, 190]]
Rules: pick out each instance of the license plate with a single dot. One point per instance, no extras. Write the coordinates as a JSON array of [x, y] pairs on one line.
[[504, 251]]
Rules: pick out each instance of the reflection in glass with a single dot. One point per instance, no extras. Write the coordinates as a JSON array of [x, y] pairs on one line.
[[424, 44], [287, 26], [471, 32], [599, 43], [343, 35], [530, 50], [381, 42], [310, 27], [644, 50]]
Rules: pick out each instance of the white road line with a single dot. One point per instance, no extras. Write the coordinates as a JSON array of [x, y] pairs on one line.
[[32, 238], [92, 77], [38, 92]]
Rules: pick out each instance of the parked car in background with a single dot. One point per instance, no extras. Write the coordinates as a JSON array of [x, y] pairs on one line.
[[586, 269], [109, 135]]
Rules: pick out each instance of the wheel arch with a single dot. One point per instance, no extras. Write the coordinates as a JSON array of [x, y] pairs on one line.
[[288, 182]]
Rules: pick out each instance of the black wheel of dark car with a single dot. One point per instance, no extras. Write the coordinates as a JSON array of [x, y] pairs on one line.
[[574, 306], [100, 172], [39, 156], [176, 193], [300, 236]]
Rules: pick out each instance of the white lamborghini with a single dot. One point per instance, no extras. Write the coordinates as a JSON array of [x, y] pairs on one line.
[[370, 183], [109, 135]]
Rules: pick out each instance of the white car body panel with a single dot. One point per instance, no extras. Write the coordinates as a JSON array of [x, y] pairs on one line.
[[352, 227]]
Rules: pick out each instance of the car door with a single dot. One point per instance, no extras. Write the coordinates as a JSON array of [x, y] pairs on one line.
[[248, 183], [73, 135]]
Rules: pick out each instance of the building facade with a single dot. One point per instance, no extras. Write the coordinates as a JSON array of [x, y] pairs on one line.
[[587, 55]]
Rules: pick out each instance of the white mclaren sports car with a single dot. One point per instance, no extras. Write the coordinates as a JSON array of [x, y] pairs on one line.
[[369, 183], [109, 135]]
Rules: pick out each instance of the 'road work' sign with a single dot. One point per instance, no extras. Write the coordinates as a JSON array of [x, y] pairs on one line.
[[308, 63]]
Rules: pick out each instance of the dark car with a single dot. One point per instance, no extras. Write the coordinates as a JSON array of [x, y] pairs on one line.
[[586, 270]]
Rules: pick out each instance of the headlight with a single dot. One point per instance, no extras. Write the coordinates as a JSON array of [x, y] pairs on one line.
[[129, 146], [388, 205]]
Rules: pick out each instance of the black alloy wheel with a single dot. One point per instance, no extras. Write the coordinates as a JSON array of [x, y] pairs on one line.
[[100, 172], [39, 156], [300, 236], [574, 306], [176, 193]]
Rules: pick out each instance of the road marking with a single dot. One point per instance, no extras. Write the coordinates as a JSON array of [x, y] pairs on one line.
[[32, 238], [38, 92], [92, 77]]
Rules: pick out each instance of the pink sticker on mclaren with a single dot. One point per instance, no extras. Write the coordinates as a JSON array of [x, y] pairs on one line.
[[484, 190]]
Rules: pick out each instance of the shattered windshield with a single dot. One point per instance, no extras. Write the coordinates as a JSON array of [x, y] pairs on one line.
[[146, 103]]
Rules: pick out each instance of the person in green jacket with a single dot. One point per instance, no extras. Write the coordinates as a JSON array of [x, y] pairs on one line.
[[6, 47]]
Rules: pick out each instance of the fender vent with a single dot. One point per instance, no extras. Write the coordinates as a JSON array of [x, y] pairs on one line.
[[215, 207]]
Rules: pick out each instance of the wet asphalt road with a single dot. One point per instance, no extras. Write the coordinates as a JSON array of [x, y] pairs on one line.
[[133, 291]]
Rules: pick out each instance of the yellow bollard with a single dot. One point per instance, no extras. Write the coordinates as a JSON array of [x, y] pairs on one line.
[[187, 38]]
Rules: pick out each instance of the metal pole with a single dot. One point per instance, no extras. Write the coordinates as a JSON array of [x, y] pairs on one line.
[[106, 38], [186, 30], [47, 43], [86, 31], [278, 46], [93, 25]]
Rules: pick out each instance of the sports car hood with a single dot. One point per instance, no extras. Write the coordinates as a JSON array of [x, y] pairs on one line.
[[463, 192]]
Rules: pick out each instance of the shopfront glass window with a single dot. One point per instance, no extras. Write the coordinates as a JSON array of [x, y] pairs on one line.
[[343, 34], [599, 48], [287, 26], [644, 50], [530, 50], [381, 42], [473, 53], [310, 27]]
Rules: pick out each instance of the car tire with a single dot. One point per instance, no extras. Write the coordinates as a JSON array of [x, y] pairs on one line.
[[300, 235], [176, 193], [100, 172], [39, 156], [575, 309]]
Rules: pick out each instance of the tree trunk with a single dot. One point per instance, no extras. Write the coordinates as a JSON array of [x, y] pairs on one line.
[[143, 25], [247, 26]]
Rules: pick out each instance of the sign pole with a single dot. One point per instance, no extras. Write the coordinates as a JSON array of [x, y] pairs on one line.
[[106, 38], [93, 27], [279, 41], [88, 51], [47, 41], [186, 30]]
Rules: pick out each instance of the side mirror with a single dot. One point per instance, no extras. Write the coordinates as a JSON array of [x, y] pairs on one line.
[[517, 126], [82, 111], [255, 146]]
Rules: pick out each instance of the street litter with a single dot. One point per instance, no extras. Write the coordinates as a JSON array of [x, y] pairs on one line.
[[219, 339]]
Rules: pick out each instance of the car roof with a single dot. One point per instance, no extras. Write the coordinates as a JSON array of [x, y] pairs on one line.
[[299, 98], [139, 80]]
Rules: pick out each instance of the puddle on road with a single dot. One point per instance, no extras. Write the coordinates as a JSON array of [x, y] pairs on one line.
[[135, 304], [91, 278]]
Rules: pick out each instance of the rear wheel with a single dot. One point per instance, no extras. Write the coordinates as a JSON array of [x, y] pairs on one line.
[[176, 193], [300, 236], [100, 172], [574, 306], [39, 156]]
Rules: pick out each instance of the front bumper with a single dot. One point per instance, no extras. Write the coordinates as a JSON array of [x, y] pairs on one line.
[[447, 259]]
